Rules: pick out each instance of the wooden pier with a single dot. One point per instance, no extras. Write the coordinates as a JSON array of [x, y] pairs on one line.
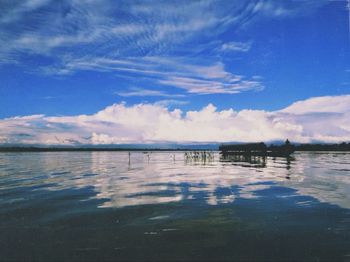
[[258, 149]]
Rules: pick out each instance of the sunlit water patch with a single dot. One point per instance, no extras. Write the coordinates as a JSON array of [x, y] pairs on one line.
[[164, 206]]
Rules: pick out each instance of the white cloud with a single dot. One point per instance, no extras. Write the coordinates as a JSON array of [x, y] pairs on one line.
[[211, 86], [124, 29], [147, 39], [179, 72], [147, 123], [236, 46], [324, 104], [272, 8], [18, 8], [135, 91], [106, 29], [170, 102]]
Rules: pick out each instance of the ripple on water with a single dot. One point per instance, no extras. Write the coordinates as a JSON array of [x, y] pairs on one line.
[[59, 205]]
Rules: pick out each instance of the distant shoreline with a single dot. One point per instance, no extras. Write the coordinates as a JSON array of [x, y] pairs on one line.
[[58, 149], [343, 147]]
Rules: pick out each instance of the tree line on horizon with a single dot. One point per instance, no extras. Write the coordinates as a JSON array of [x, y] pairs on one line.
[[323, 147]]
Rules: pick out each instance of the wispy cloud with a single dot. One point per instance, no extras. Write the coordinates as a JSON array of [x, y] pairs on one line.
[[128, 37], [236, 47], [137, 28], [179, 72], [278, 9], [212, 86], [170, 102], [135, 91], [126, 28]]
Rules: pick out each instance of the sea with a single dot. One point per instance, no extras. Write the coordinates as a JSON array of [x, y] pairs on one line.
[[178, 206]]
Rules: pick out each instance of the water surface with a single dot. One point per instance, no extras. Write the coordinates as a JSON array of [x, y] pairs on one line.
[[160, 206]]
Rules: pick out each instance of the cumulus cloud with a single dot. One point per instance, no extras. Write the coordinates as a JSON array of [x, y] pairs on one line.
[[324, 104], [313, 119]]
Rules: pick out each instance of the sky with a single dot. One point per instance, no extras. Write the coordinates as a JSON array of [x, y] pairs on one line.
[[114, 72]]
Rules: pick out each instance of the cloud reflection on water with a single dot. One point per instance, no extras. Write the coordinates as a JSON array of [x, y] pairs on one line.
[[157, 178]]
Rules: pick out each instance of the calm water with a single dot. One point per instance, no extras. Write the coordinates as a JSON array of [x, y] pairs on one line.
[[98, 206]]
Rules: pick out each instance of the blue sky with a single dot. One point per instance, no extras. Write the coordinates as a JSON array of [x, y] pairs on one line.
[[72, 58]]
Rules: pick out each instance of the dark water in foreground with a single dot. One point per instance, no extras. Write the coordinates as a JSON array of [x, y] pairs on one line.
[[95, 206]]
